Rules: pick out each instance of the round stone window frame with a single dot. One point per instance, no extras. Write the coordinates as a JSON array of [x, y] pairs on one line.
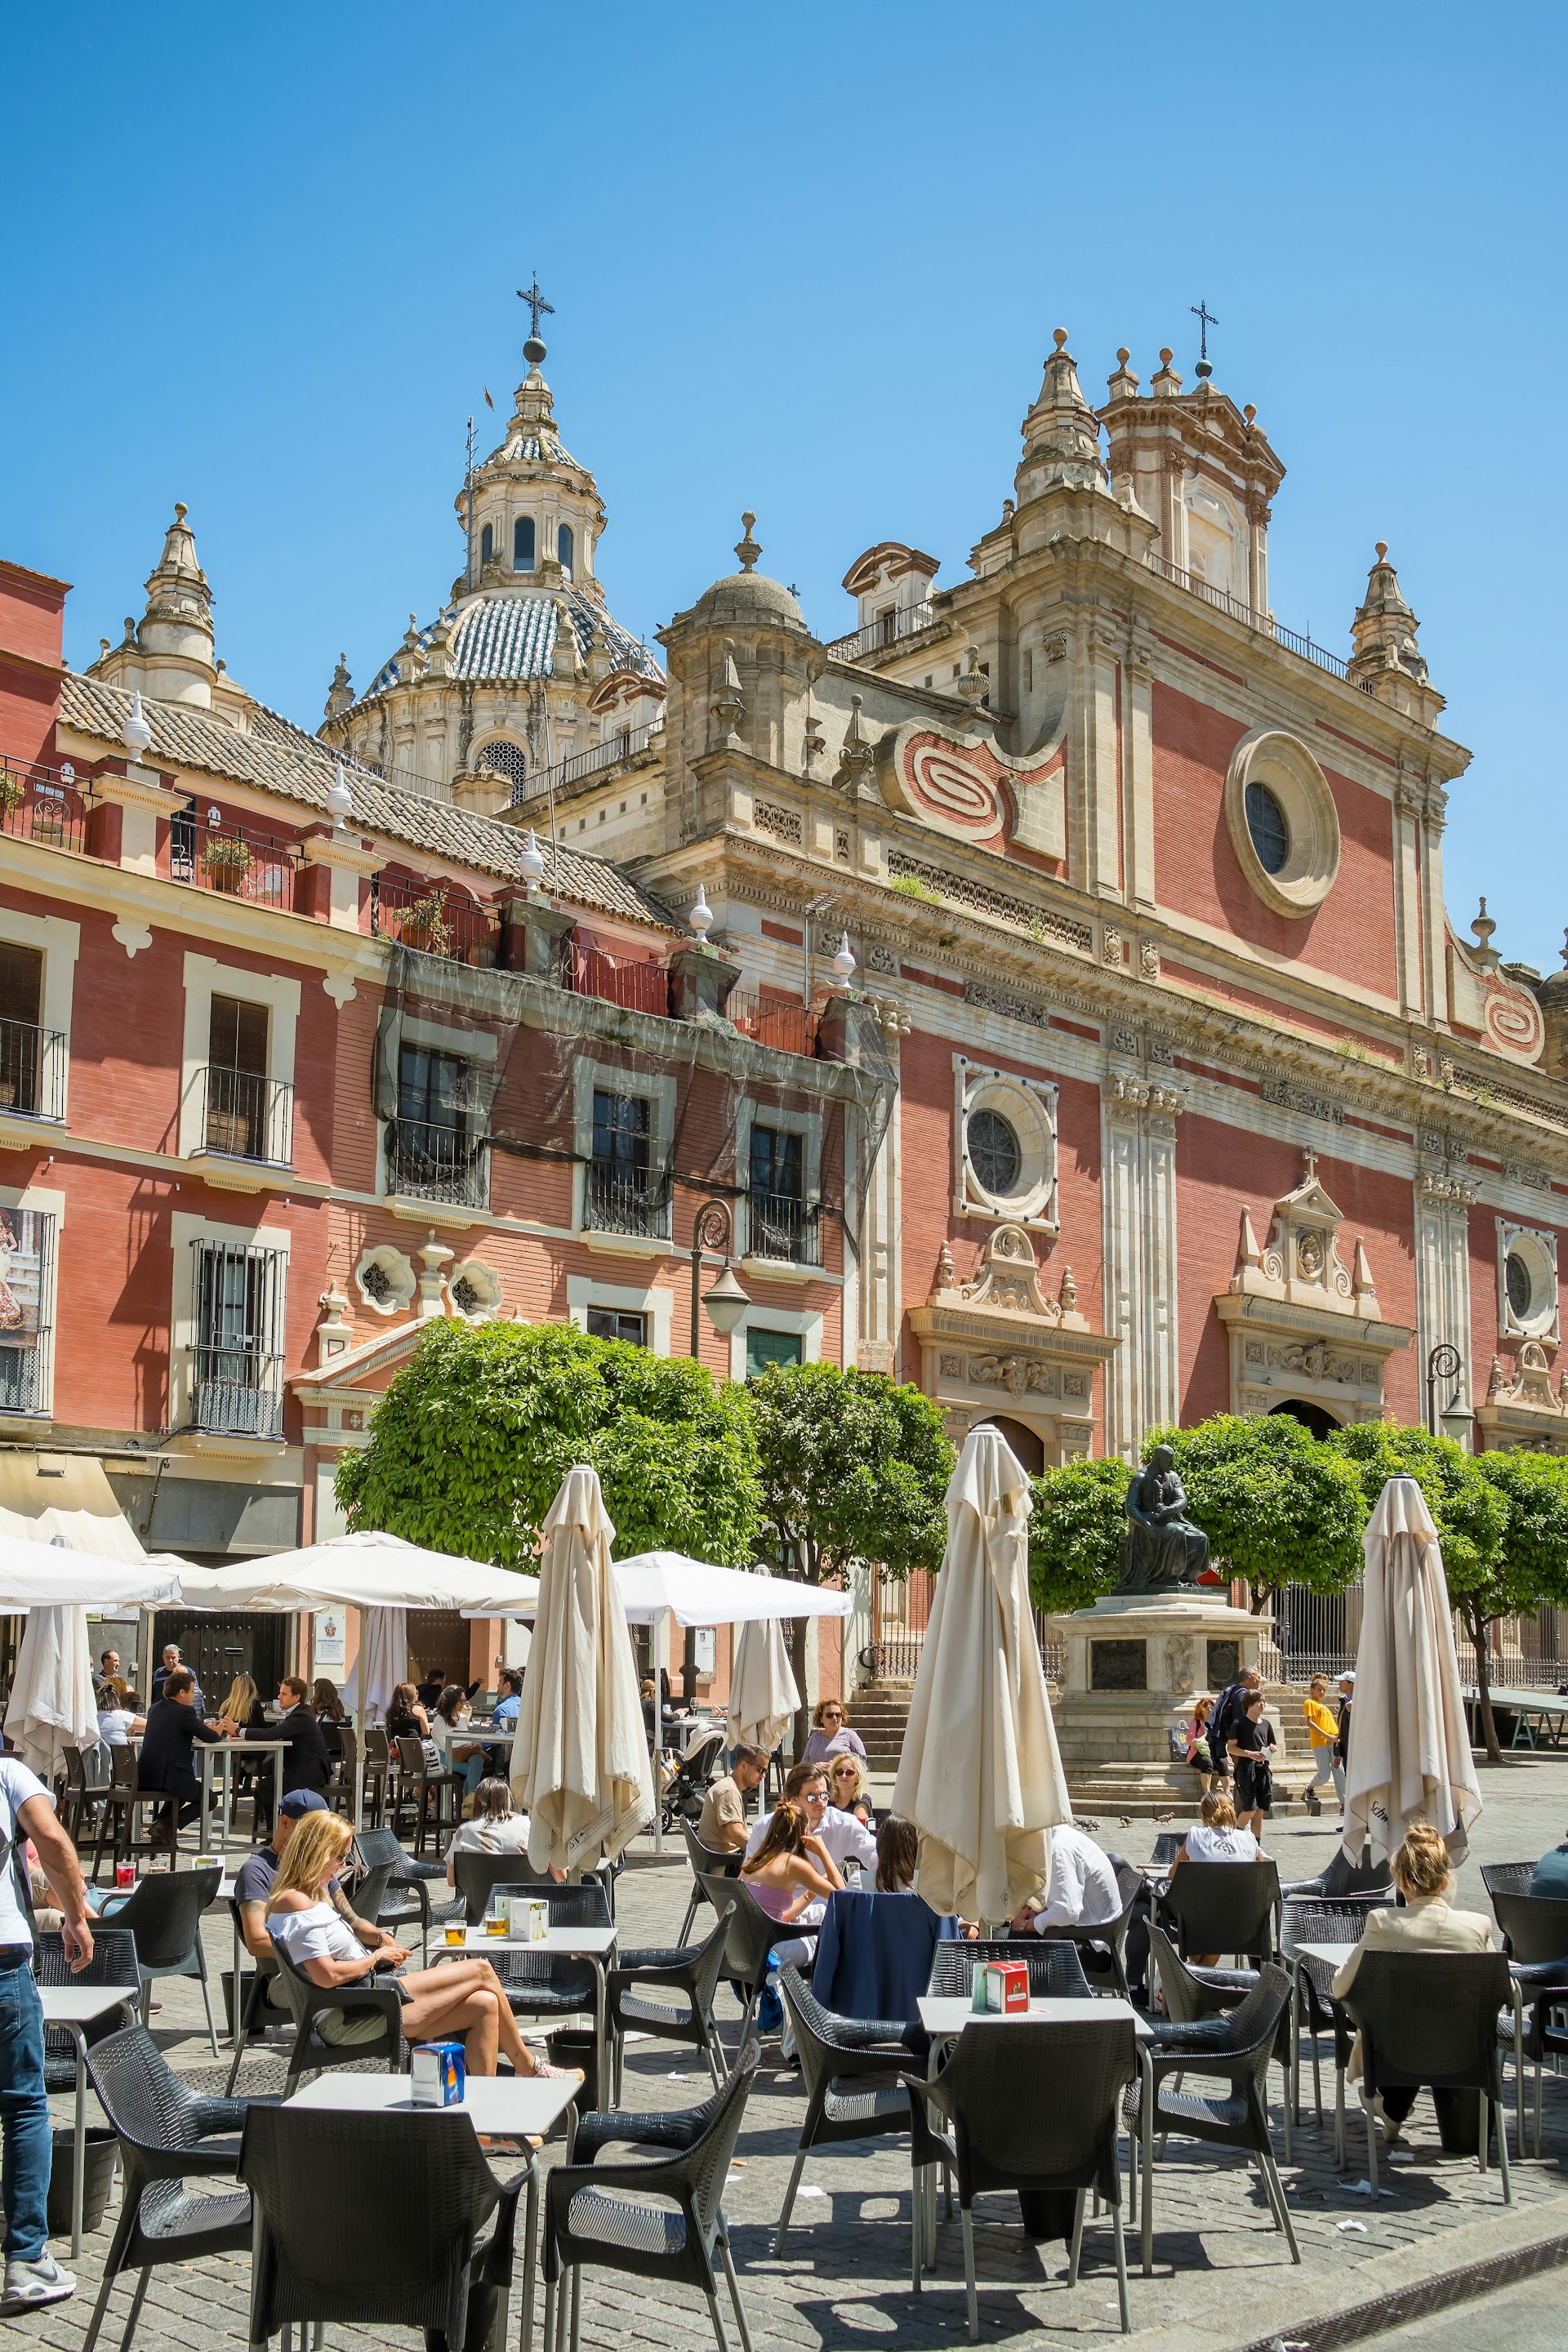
[[486, 1285], [1534, 1252], [1032, 1200], [401, 1283], [1282, 763]]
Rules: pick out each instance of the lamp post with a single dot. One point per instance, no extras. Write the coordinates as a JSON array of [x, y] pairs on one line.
[[1456, 1420], [713, 1228]]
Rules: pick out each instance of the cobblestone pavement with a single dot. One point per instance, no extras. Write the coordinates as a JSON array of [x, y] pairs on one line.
[[1222, 2274]]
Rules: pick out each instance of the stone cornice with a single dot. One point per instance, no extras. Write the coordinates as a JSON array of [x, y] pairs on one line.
[[1013, 1335], [1368, 1333]]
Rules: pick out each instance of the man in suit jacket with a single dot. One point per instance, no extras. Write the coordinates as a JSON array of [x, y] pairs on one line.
[[1428, 1923], [306, 1764], [168, 1744]]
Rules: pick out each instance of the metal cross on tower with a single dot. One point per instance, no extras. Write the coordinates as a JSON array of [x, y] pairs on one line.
[[536, 302], [1206, 319]]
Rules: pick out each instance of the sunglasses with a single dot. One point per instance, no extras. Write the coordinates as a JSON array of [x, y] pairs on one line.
[[833, 1715]]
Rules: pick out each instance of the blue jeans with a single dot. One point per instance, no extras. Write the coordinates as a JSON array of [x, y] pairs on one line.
[[23, 2116]]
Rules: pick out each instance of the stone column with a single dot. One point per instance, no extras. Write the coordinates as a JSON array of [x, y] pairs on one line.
[[1443, 1201], [1142, 1379]]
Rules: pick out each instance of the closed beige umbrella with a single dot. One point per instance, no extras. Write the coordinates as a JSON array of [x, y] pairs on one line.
[[582, 1773], [1409, 1755], [979, 1776], [763, 1693]]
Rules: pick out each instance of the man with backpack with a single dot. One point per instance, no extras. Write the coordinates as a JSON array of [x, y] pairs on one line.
[[1229, 1714]]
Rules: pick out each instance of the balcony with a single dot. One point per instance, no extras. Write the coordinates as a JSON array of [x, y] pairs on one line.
[[625, 745], [430, 1162], [23, 1381], [781, 1228], [210, 853], [618, 1200], [1264, 622], [433, 919], [40, 804], [637, 987], [787, 1028], [886, 629], [32, 1072], [238, 1393], [246, 1116]]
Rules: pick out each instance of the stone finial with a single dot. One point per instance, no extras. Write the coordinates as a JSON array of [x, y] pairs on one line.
[[563, 661], [334, 1333], [434, 1257], [339, 800], [135, 734], [1061, 431], [729, 704], [1067, 1294], [747, 548], [1166, 381], [1362, 1281], [858, 753], [1386, 659], [814, 742], [1483, 953], [1496, 1384], [341, 693], [974, 685], [945, 1277], [1247, 1252], [1123, 384]]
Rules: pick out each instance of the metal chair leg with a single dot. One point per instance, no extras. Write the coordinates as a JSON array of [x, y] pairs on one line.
[[137, 2300], [1371, 2138], [797, 2168], [728, 2261], [1501, 2149], [100, 2308], [917, 2225], [206, 1995], [971, 2294], [1120, 2269], [1276, 2189], [1486, 2130], [719, 2335], [529, 2257], [1076, 2250]]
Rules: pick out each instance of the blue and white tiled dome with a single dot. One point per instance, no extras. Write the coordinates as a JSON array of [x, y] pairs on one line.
[[514, 637]]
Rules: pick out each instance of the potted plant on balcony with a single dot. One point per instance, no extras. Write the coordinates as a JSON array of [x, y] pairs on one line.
[[13, 792], [226, 862], [426, 925]]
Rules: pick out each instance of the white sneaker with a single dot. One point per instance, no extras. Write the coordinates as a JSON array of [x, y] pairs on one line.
[[28, 2284]]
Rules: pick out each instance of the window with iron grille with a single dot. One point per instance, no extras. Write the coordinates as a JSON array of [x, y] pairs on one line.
[[626, 1193], [238, 1371], [430, 1152], [27, 1311], [781, 1224], [30, 1055]]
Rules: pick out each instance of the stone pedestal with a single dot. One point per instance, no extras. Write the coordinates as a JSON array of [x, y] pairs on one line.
[[1135, 1668]]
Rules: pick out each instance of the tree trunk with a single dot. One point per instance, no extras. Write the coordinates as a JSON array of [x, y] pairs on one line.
[[1476, 1626]]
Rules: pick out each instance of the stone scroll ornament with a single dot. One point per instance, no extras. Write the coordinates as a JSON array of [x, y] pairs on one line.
[[1162, 1551], [966, 788]]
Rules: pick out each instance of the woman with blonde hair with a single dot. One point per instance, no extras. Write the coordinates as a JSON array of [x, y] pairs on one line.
[[849, 1788], [464, 2000], [243, 1704]]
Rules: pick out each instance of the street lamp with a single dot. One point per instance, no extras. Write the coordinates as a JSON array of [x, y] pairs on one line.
[[713, 1229], [1456, 1420]]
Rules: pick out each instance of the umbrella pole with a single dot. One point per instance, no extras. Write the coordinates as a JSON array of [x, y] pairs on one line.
[[359, 1726], [660, 1646]]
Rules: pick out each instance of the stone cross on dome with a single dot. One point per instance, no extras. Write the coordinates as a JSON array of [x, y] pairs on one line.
[[536, 302], [1206, 319]]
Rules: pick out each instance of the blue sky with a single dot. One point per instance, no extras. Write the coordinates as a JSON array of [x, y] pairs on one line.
[[802, 260]]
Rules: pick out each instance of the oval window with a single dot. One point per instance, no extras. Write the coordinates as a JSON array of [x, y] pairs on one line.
[[1265, 824], [993, 1153], [1520, 1285]]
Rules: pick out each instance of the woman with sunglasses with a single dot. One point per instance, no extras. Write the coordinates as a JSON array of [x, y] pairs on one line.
[[830, 1734], [848, 1788]]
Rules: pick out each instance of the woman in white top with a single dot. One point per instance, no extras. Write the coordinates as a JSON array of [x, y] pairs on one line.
[[464, 2000], [494, 1829], [118, 1724], [1216, 1839]]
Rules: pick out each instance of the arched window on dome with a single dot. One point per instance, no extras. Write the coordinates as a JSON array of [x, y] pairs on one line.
[[522, 543], [486, 543], [507, 759], [564, 545]]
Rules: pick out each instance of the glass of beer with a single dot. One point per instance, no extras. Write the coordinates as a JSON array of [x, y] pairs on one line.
[[455, 1938]]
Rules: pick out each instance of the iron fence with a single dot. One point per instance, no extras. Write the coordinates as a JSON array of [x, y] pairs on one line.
[[40, 804], [32, 1070], [624, 745], [638, 987], [783, 1227], [209, 853], [433, 919], [618, 1200], [787, 1028], [238, 1369], [886, 629], [436, 1162], [246, 1114]]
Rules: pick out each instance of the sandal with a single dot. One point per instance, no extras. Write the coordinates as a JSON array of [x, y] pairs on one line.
[[544, 2073]]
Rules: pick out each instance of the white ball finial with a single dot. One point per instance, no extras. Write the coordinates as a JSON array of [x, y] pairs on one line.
[[136, 735], [844, 962], [339, 800], [533, 863], [701, 915]]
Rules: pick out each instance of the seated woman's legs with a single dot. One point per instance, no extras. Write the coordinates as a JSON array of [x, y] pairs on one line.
[[435, 1996]]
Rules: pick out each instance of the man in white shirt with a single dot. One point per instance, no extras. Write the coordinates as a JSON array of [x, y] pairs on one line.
[[27, 1810], [846, 1838], [1081, 1891]]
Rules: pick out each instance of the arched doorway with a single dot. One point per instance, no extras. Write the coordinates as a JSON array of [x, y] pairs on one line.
[[1026, 1443], [1311, 1417]]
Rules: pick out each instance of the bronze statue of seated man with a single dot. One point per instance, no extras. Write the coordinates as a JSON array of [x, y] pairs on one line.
[[1162, 1551]]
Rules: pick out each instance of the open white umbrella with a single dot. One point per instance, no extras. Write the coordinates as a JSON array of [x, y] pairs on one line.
[[764, 1694], [367, 1570], [53, 1576], [582, 1771], [51, 1706], [980, 1775], [1409, 1757]]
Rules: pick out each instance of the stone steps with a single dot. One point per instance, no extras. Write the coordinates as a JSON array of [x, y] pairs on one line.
[[881, 1714]]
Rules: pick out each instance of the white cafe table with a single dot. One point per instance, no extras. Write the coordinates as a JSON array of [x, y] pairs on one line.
[[945, 2016], [210, 1751], [595, 1944], [75, 2007], [505, 2106]]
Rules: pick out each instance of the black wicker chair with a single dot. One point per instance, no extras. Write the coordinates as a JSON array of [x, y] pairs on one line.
[[689, 1975], [1535, 1936], [1056, 1971], [119, 1808], [1305, 1921], [853, 2069], [752, 1933], [477, 1875], [1506, 1877], [408, 1900], [81, 1795], [376, 2221], [1028, 2104], [1223, 1906], [594, 2213], [1341, 1878], [1429, 2020], [164, 1914], [309, 2003], [113, 1962], [1103, 1949], [1237, 2048], [168, 2135], [706, 1862], [429, 1789]]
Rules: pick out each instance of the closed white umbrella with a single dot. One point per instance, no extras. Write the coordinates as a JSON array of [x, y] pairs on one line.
[[1409, 1758], [380, 1663], [582, 1773], [51, 1706], [764, 1696], [980, 1775]]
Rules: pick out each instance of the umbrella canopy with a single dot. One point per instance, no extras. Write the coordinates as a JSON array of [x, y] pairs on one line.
[[365, 1570], [65, 1499], [380, 1665], [653, 1584], [53, 1576], [763, 1692], [583, 1774], [979, 1776], [1409, 1752], [51, 1706]]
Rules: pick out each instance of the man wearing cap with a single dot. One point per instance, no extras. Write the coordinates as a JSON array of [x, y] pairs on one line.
[[253, 1884]]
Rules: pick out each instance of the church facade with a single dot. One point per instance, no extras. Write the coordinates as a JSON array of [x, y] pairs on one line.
[[1043, 991]]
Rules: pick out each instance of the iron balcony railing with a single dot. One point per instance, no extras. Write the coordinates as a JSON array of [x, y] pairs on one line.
[[434, 1162], [238, 1359], [637, 986], [22, 1379], [212, 853], [618, 1200], [780, 1226], [247, 1116], [886, 629], [40, 804], [32, 1070], [787, 1028], [239, 1393], [1223, 602], [434, 919], [625, 745]]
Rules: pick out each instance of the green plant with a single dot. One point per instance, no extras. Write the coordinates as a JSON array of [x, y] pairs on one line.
[[227, 860], [853, 1467], [1074, 1533], [13, 792], [426, 925], [909, 886], [474, 1436]]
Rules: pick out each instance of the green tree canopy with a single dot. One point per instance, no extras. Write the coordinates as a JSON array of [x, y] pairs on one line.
[[474, 1436], [1277, 1506], [1075, 1534], [853, 1467]]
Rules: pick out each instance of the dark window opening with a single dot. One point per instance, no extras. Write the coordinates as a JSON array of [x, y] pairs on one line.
[[614, 1323], [486, 543], [993, 1153], [238, 1104], [1520, 1288], [765, 1348], [623, 1196], [522, 543], [21, 1039], [429, 1153], [564, 546], [1265, 824], [239, 1338]]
